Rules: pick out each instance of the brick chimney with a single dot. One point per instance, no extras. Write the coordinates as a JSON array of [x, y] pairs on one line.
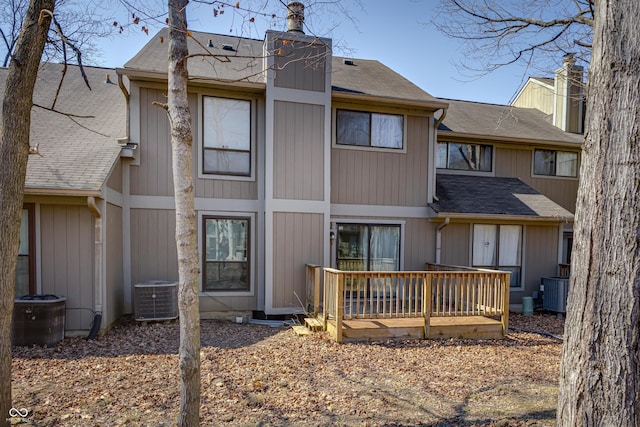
[[568, 108]]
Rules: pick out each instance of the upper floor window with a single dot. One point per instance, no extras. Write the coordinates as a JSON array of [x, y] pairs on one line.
[[226, 136], [367, 129], [555, 163], [467, 157]]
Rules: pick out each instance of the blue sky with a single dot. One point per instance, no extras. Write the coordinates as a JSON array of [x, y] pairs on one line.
[[399, 34]]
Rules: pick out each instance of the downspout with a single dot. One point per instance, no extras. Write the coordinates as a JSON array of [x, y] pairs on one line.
[[97, 280], [124, 90], [435, 148], [439, 238]]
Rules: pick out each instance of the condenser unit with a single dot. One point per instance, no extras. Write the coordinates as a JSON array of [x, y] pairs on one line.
[[554, 297], [156, 300]]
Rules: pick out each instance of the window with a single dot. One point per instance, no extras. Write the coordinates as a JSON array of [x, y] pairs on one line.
[[467, 157], [226, 252], [25, 269], [499, 247], [555, 163], [365, 129], [226, 136], [368, 247]]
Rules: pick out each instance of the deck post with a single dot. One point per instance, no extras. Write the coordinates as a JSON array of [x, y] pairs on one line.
[[325, 300], [339, 307], [505, 303], [316, 291], [426, 304]]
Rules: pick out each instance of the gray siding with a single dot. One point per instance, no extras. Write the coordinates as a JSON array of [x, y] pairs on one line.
[[455, 242], [298, 151], [115, 180], [541, 258], [153, 245], [370, 177], [153, 177], [114, 265], [67, 260], [300, 65], [298, 240], [419, 243], [518, 163]]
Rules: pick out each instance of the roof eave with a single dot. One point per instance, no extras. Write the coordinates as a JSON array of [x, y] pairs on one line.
[[69, 192], [386, 100], [155, 76], [460, 136], [499, 217]]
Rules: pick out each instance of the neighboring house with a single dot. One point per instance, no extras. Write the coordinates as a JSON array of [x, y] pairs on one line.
[[64, 245], [317, 160]]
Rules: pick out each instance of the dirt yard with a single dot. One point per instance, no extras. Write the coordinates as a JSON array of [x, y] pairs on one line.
[[261, 376]]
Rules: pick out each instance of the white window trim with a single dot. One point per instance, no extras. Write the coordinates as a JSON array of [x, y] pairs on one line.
[[564, 178], [367, 109], [252, 252], [523, 243], [253, 133]]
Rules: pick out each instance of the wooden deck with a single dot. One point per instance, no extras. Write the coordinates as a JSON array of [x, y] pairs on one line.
[[472, 327], [442, 302]]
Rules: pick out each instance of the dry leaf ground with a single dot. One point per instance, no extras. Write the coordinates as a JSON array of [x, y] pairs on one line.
[[261, 376]]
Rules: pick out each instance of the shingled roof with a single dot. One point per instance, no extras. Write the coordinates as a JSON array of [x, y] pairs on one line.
[[244, 63], [464, 195], [502, 122], [77, 153]]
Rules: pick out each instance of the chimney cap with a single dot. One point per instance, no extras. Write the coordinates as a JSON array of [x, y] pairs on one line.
[[295, 17]]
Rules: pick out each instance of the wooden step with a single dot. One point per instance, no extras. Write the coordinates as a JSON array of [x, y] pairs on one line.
[[300, 330], [313, 324]]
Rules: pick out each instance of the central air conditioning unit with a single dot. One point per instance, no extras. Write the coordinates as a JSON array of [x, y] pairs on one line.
[[556, 290], [156, 300]]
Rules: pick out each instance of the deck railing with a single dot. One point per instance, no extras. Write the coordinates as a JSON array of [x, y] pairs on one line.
[[415, 294]]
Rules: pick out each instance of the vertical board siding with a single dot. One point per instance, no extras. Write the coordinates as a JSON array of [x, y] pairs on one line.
[[115, 180], [300, 66], [536, 96], [519, 163], [372, 177], [114, 265], [67, 260], [541, 256], [455, 242], [419, 243], [298, 151], [298, 240], [154, 176], [154, 255]]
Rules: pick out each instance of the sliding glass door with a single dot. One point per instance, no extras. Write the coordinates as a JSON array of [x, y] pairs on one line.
[[368, 247]]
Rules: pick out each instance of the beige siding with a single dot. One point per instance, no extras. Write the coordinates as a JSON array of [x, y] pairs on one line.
[[300, 65], [534, 95], [419, 243], [153, 177], [370, 177], [513, 162], [298, 240], [153, 245], [456, 239], [541, 258], [67, 260], [115, 180], [114, 265], [212, 303], [298, 151]]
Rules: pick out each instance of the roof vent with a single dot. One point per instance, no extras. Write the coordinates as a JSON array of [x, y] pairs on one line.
[[210, 43], [227, 47], [295, 17], [348, 62]]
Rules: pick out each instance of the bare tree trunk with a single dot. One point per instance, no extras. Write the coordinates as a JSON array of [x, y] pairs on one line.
[[600, 375], [14, 152], [181, 142]]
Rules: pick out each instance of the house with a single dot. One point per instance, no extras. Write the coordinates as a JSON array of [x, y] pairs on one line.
[[300, 157], [71, 244]]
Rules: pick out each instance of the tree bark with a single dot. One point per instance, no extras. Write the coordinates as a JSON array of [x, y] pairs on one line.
[[188, 265], [14, 152], [599, 375]]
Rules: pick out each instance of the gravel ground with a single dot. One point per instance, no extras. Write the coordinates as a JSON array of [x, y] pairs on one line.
[[255, 375]]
